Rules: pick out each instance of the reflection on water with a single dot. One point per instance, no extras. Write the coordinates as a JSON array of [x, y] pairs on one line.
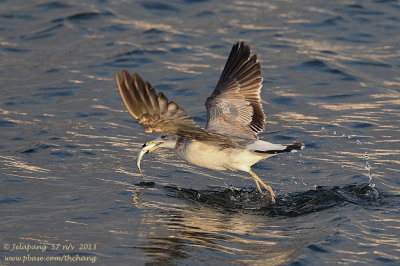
[[179, 232], [232, 221], [68, 147]]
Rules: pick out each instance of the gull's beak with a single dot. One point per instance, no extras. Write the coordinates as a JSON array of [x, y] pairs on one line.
[[146, 148]]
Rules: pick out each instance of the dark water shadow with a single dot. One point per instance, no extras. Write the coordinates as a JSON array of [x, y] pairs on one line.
[[292, 204]]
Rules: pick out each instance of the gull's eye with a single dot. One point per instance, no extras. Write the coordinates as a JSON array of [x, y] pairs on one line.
[[164, 136]]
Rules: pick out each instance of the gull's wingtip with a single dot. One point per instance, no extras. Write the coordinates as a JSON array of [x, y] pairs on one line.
[[240, 43], [117, 77], [120, 76]]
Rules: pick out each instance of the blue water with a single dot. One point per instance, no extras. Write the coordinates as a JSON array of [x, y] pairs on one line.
[[68, 146]]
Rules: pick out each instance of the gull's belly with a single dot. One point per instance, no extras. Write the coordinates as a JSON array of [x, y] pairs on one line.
[[213, 157]]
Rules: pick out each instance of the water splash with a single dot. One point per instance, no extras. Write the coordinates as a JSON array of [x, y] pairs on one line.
[[292, 204], [368, 168]]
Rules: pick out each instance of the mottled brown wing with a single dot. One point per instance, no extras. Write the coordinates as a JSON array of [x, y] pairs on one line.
[[234, 107], [153, 110]]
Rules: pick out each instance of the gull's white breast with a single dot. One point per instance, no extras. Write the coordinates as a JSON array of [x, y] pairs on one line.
[[216, 158]]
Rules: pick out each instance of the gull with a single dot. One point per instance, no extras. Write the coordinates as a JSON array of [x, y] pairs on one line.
[[235, 118]]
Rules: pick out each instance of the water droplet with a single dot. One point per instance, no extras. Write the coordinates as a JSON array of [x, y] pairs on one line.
[[368, 167]]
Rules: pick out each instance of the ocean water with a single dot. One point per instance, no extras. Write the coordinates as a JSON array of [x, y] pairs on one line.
[[69, 188]]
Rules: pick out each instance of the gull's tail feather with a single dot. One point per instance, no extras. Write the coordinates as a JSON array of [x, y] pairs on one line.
[[288, 148], [260, 146]]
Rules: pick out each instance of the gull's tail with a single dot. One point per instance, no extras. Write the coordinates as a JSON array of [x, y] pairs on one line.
[[260, 146], [288, 148]]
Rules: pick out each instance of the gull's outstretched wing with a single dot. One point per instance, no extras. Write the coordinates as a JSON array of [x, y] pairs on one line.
[[153, 110], [234, 107]]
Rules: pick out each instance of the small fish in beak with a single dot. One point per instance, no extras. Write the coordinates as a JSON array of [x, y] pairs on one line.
[[146, 148]]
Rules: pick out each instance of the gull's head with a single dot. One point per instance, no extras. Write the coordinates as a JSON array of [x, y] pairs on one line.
[[162, 141]]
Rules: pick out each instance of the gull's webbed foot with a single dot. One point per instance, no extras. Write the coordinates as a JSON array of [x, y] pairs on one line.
[[258, 181]]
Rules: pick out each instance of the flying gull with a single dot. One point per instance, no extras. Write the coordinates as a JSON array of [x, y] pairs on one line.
[[235, 117]]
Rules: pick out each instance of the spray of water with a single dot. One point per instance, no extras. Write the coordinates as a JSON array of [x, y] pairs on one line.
[[369, 169]]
